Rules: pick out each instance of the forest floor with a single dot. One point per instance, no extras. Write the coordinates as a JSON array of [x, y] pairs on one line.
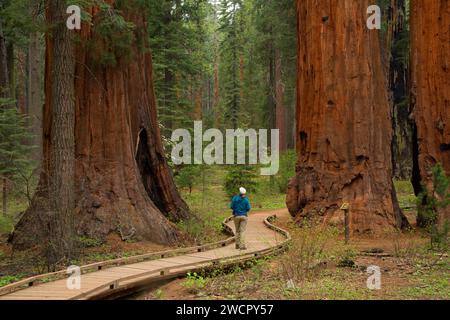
[[318, 266], [207, 200]]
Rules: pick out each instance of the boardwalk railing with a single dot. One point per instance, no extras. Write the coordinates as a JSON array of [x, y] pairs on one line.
[[155, 274]]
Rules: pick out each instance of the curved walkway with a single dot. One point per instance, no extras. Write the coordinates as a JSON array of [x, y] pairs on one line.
[[261, 236]]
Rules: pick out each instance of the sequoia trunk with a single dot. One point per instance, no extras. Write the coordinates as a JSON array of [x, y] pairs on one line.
[[430, 90], [344, 129], [123, 184]]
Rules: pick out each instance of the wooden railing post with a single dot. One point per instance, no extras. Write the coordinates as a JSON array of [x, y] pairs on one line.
[[346, 208]]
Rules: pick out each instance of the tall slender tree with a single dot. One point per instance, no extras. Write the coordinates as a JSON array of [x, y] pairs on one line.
[[61, 157], [276, 26], [4, 76], [22, 23], [231, 47], [122, 181], [280, 114], [34, 79], [179, 41]]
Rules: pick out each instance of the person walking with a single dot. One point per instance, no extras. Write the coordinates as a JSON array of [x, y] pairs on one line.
[[241, 207]]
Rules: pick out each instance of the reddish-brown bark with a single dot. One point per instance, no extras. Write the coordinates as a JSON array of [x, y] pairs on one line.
[[344, 127], [430, 89], [4, 76], [122, 181]]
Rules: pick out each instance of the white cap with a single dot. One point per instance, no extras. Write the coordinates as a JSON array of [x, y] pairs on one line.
[[242, 190]]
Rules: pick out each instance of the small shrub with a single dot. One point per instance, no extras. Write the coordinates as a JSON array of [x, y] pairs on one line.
[[15, 157], [430, 202], [286, 171], [407, 248], [194, 282], [240, 176], [159, 294], [187, 177], [308, 251], [86, 242], [439, 236], [194, 227], [346, 262], [7, 280]]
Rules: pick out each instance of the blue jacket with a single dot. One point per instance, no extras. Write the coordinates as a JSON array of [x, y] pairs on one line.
[[240, 206]]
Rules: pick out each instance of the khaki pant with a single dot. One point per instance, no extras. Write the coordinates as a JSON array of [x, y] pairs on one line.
[[240, 223]]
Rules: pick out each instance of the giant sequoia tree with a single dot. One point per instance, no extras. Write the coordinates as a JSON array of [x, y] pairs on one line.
[[430, 88], [122, 181], [344, 127]]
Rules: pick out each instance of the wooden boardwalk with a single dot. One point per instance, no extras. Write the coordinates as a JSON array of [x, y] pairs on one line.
[[104, 279]]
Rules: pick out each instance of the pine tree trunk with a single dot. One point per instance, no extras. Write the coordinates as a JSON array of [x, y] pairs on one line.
[[34, 100], [123, 184], [235, 86], [4, 76], [168, 99], [216, 102], [241, 78], [271, 89], [344, 127], [21, 76], [430, 89], [280, 113], [166, 110], [198, 99], [4, 196], [61, 102], [4, 93], [291, 123], [10, 59]]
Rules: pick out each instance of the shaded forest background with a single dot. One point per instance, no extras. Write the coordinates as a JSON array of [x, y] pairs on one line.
[[229, 63]]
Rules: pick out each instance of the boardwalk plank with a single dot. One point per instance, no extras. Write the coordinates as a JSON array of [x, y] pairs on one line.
[[258, 237]]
